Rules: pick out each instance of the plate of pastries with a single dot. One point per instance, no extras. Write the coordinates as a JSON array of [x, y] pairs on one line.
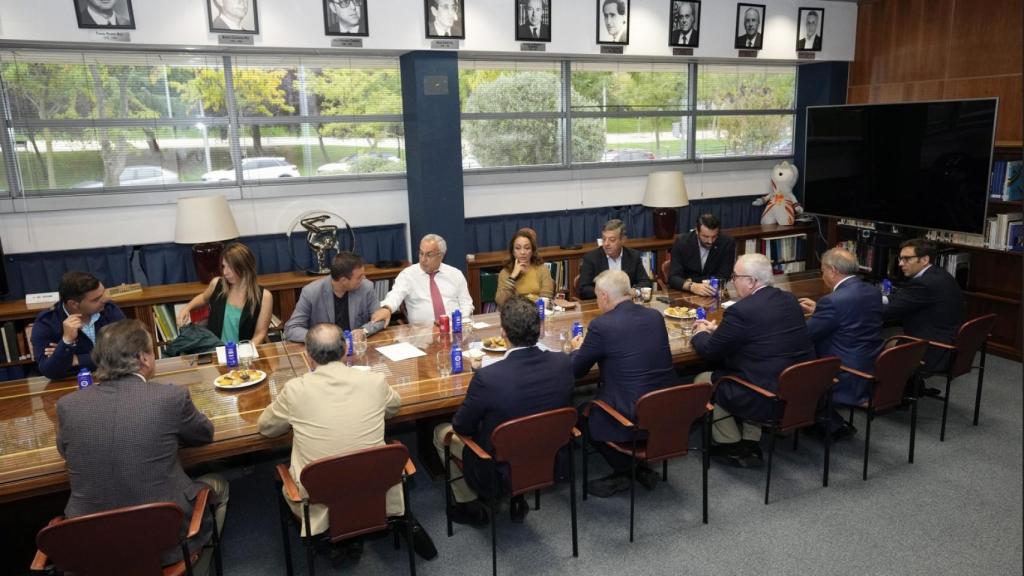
[[239, 378], [680, 312], [495, 344]]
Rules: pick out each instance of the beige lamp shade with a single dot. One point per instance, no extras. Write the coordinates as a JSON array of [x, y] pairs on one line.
[[204, 219], [665, 190]]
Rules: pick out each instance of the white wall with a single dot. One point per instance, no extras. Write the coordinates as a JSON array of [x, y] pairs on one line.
[[396, 26]]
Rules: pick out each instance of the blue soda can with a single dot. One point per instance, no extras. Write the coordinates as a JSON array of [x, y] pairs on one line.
[[456, 359], [231, 354], [457, 321], [540, 308], [348, 343], [714, 286], [702, 314], [886, 287], [84, 378], [577, 329]]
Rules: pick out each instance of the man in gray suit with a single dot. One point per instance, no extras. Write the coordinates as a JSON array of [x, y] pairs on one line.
[[346, 299], [120, 437]]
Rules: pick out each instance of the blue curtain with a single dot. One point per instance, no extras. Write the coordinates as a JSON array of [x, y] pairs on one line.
[[492, 233], [30, 273]]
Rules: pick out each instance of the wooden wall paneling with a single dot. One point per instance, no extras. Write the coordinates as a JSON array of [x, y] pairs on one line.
[[902, 41], [1007, 88], [983, 37]]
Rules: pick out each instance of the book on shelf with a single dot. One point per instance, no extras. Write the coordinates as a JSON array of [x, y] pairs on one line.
[[1013, 184], [28, 338], [166, 324], [381, 288], [1015, 236], [7, 352]]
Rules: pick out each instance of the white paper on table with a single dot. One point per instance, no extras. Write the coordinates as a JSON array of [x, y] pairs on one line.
[[246, 350], [728, 303], [546, 348], [480, 325], [363, 368], [400, 351]]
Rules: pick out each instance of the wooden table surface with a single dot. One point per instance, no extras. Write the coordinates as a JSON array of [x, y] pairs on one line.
[[30, 464]]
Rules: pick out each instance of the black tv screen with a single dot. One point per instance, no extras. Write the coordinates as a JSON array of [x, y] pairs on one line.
[[918, 164]]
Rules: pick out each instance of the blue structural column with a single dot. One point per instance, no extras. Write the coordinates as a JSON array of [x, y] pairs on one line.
[[433, 143], [818, 84]]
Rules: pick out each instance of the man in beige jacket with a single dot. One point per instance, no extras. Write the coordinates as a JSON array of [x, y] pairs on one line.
[[333, 410]]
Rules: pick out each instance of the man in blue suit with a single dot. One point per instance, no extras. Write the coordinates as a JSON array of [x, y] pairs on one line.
[[629, 343], [527, 381], [760, 336], [846, 323]]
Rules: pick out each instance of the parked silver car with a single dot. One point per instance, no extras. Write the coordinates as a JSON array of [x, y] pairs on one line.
[[258, 168]]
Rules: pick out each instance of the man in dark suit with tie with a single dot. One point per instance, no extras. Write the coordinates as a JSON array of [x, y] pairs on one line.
[[630, 345], [527, 381], [929, 304], [846, 323], [612, 254], [751, 38], [533, 28], [702, 254], [686, 33], [96, 13], [120, 437], [811, 40], [760, 335]]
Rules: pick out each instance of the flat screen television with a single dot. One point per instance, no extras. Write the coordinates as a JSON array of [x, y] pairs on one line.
[[917, 164]]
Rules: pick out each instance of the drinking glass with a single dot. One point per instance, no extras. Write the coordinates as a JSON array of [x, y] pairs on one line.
[[359, 342], [245, 353], [444, 363]]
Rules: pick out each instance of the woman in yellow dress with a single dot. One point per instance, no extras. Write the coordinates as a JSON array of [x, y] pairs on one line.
[[525, 272]]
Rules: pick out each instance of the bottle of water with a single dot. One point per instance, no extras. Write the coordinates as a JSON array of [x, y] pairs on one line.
[[540, 308], [716, 292], [348, 343], [457, 321], [84, 378], [456, 359], [886, 287], [231, 354]]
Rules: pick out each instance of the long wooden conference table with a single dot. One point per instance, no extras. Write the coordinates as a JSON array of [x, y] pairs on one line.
[[30, 464]]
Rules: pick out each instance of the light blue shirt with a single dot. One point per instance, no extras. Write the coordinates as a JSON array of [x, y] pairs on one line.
[[88, 328]]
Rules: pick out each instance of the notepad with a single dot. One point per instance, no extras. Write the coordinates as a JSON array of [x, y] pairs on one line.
[[400, 351]]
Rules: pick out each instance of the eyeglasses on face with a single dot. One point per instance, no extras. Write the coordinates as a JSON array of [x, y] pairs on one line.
[[905, 259], [430, 254], [735, 276], [346, 3]]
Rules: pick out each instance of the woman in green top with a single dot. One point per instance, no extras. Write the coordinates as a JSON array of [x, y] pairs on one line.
[[239, 308], [524, 273]]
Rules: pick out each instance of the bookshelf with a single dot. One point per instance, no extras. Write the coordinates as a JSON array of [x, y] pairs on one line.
[[285, 286], [484, 266]]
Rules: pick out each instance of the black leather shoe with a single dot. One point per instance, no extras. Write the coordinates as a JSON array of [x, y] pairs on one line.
[[519, 509], [421, 543], [847, 430], [751, 449], [471, 513], [929, 391], [609, 485], [727, 454], [646, 477]]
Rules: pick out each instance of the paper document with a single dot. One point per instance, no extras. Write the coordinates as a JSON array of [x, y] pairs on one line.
[[728, 303], [400, 351], [244, 351], [480, 325]]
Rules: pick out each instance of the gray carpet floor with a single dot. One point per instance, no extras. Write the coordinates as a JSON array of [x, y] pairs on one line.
[[956, 510]]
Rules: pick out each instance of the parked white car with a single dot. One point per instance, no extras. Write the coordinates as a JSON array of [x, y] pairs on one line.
[[344, 166], [142, 175], [256, 169]]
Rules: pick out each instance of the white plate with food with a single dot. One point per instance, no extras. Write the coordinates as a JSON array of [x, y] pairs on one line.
[[495, 344], [239, 378], [681, 312]]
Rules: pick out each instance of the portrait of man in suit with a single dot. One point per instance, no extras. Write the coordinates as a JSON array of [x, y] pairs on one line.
[[103, 14], [233, 16], [810, 21], [749, 26], [685, 29], [445, 19], [533, 19], [613, 22], [345, 18]]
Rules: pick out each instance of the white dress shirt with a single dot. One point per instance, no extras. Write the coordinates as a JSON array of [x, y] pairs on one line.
[[412, 286], [809, 42], [100, 19]]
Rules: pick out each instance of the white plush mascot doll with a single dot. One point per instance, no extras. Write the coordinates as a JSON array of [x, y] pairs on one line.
[[780, 205]]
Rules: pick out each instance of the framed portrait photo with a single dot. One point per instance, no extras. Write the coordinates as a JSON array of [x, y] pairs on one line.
[[533, 20], [233, 16], [105, 14], [613, 21], [346, 18], [749, 26], [684, 23], [445, 18], [809, 29]]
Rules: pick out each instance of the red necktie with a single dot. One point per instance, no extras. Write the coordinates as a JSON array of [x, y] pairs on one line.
[[435, 297]]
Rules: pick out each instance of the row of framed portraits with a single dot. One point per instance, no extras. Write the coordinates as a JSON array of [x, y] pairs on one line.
[[447, 19]]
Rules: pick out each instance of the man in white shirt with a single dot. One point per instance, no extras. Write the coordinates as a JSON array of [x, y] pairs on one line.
[[444, 18], [103, 13], [811, 40], [428, 290]]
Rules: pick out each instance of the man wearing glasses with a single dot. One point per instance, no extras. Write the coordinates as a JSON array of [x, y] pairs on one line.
[[346, 17], [429, 290], [929, 304], [760, 336]]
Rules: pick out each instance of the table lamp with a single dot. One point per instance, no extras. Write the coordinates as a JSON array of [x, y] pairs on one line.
[[205, 222], [665, 192]]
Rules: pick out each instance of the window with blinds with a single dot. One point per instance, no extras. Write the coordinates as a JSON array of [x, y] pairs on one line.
[[745, 110]]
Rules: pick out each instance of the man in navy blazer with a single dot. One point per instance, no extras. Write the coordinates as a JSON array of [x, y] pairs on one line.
[[929, 305], [760, 335], [702, 254], [527, 381], [629, 343], [846, 323], [346, 299], [611, 253]]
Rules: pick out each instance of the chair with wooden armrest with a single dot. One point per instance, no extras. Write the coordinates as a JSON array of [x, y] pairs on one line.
[[529, 446], [893, 368], [970, 338], [801, 387], [665, 267], [576, 288], [665, 417], [130, 540], [354, 489]]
